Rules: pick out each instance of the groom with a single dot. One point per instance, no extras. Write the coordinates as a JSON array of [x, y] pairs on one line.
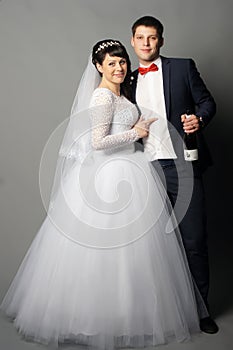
[[172, 88]]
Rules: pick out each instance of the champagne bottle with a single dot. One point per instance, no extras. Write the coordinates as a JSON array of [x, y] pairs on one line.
[[190, 145]]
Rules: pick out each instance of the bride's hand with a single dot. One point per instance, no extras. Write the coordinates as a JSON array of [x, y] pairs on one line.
[[142, 126]]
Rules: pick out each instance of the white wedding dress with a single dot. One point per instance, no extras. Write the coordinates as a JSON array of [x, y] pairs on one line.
[[107, 268]]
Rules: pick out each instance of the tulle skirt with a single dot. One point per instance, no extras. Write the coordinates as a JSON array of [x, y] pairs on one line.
[[107, 268]]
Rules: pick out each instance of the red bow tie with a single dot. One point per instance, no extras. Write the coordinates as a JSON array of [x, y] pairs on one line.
[[151, 68]]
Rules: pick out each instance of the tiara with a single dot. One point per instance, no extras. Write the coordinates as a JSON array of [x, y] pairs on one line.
[[107, 44]]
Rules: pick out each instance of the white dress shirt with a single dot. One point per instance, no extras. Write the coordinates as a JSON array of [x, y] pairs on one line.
[[150, 99]]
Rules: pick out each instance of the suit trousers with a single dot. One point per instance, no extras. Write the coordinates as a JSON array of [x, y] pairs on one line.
[[193, 225]]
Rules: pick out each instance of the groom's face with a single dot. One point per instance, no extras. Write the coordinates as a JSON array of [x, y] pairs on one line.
[[146, 43]]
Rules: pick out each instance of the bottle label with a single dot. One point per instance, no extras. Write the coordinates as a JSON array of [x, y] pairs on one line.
[[190, 154]]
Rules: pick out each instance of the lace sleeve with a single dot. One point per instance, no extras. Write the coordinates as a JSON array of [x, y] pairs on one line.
[[102, 110]]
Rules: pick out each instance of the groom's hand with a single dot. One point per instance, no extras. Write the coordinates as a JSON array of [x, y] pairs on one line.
[[191, 123]]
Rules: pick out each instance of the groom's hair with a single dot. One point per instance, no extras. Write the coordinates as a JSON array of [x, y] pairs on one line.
[[149, 21]]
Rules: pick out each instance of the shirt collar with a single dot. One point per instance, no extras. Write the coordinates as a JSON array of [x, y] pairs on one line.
[[157, 62]]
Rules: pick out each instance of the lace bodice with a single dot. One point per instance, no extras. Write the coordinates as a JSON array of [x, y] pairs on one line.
[[112, 119]]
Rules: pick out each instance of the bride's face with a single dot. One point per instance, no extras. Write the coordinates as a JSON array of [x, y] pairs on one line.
[[113, 69]]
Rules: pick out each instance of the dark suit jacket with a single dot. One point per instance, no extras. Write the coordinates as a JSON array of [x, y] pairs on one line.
[[184, 90]]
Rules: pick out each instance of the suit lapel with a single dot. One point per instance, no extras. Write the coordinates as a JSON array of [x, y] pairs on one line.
[[166, 83], [133, 83]]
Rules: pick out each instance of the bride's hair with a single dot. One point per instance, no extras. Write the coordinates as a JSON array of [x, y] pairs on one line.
[[113, 48]]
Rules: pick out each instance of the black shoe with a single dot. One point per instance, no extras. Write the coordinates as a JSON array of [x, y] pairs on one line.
[[207, 325]]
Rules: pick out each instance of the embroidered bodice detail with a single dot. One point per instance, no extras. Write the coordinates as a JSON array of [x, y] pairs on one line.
[[112, 119]]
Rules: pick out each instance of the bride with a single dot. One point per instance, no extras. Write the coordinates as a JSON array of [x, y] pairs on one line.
[[107, 268]]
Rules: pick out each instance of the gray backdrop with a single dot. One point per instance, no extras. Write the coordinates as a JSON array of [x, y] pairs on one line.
[[44, 48]]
